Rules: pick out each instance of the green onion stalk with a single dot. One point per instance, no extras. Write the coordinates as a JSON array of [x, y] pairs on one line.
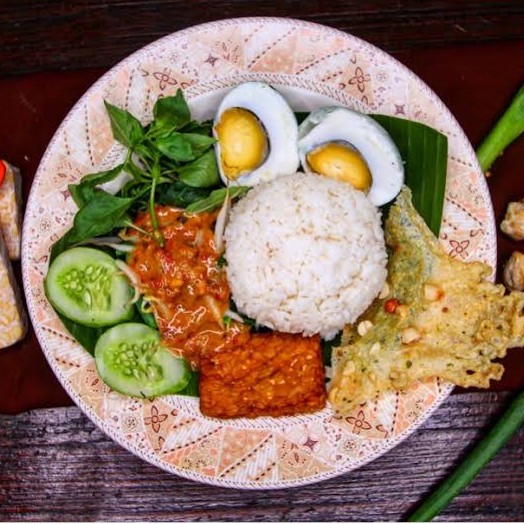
[[482, 453], [506, 130]]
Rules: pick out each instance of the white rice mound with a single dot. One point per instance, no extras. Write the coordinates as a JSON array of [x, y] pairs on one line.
[[305, 254]]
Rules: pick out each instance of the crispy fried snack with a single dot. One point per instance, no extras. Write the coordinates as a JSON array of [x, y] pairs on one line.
[[441, 318], [272, 374], [11, 208], [513, 223]]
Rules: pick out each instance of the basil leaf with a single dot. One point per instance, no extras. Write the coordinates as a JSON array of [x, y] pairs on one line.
[[183, 147], [201, 128], [136, 172], [102, 176], [171, 111], [203, 172], [216, 199], [146, 151], [86, 190], [99, 216], [179, 194], [425, 154], [126, 128], [69, 239], [81, 194]]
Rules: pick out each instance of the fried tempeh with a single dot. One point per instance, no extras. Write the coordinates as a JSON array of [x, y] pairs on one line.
[[272, 374]]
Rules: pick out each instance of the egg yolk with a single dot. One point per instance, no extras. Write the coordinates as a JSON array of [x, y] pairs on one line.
[[243, 142], [342, 163]]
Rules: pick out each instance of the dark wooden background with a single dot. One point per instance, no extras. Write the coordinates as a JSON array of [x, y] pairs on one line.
[[54, 463]]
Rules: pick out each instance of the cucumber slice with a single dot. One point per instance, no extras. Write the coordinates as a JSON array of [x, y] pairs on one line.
[[85, 285], [131, 360]]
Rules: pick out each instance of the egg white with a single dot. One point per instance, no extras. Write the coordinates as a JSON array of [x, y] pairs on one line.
[[332, 124], [279, 123]]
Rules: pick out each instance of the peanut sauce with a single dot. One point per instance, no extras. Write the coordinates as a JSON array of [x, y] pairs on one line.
[[184, 282]]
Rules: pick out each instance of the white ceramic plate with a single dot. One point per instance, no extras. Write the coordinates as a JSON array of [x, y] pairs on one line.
[[311, 65]]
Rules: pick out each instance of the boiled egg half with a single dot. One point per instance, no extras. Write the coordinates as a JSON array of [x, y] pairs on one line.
[[256, 135], [351, 147]]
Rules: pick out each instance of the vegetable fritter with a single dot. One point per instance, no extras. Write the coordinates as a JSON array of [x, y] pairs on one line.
[[449, 322]]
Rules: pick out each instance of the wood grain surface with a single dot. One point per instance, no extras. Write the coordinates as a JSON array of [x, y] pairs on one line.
[[51, 34], [55, 465]]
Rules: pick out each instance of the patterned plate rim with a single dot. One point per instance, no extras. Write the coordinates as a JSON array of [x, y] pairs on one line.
[[444, 390]]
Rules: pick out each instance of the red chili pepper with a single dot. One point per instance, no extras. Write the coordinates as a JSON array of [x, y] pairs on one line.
[[391, 305], [3, 171]]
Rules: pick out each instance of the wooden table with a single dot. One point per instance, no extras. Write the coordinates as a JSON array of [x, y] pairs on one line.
[[54, 463]]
